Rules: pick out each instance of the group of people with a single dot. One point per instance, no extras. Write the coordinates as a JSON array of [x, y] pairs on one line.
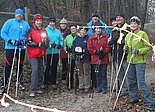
[[85, 50]]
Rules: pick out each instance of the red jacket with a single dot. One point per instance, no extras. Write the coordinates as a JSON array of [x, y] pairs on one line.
[[37, 36], [95, 44], [64, 33]]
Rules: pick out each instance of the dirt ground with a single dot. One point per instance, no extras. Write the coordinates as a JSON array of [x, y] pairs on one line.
[[68, 101]]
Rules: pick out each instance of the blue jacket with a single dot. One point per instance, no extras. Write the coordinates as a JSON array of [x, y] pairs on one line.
[[104, 30], [55, 37], [15, 30], [82, 42]]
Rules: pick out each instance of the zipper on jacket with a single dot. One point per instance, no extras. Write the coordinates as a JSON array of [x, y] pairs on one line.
[[130, 44]]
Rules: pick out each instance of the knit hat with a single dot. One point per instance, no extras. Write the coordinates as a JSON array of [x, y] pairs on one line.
[[112, 19], [83, 28], [19, 11], [120, 14], [135, 19], [52, 19], [38, 16], [63, 21], [95, 14], [98, 24]]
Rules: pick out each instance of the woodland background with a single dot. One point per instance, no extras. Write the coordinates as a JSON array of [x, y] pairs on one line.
[[80, 10]]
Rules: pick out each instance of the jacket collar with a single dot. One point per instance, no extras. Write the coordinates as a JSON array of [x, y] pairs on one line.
[[35, 27], [101, 36], [51, 28], [136, 31]]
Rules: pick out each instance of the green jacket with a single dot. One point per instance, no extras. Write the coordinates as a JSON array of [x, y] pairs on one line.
[[68, 42], [142, 47]]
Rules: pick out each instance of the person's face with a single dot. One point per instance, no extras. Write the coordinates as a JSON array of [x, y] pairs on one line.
[[73, 29], [82, 32], [52, 24], [63, 26], [38, 22], [114, 23], [98, 30], [95, 19], [120, 20], [134, 26], [19, 16]]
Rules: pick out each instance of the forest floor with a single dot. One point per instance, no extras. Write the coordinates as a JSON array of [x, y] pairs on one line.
[[68, 101]]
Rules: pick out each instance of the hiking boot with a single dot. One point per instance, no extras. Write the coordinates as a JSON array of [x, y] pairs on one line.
[[43, 86], [64, 82], [134, 101], [2, 89], [54, 86], [32, 94], [39, 92], [98, 91], [104, 91], [86, 90], [20, 87]]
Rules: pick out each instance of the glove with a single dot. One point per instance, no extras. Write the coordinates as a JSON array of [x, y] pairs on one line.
[[97, 52], [83, 51], [125, 48], [68, 49], [53, 45], [43, 44], [101, 53], [58, 46], [78, 49], [134, 51], [16, 42], [10, 42]]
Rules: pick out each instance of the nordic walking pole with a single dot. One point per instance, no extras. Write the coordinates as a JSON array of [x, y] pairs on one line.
[[18, 66], [14, 56], [69, 67], [111, 78], [51, 58], [123, 81], [115, 82], [59, 64], [52, 54]]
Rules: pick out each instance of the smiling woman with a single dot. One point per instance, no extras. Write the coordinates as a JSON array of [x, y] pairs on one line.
[[138, 50], [37, 44]]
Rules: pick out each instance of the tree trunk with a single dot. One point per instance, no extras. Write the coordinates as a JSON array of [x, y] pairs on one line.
[[144, 14]]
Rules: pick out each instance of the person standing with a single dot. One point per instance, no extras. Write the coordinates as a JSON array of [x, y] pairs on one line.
[[139, 49], [14, 33], [55, 43], [95, 20], [63, 55], [80, 48], [117, 40], [71, 55], [37, 41], [99, 48]]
